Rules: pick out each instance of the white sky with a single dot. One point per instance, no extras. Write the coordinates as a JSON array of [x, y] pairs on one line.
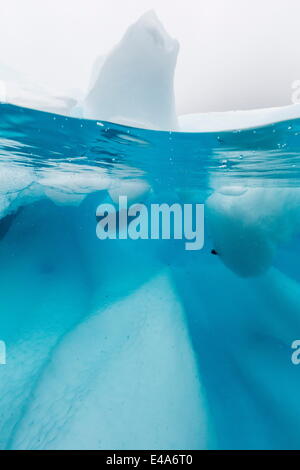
[[234, 53]]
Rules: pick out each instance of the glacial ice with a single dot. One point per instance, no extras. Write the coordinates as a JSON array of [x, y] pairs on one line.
[[63, 184], [43, 293], [248, 225], [236, 120], [133, 364], [15, 181], [135, 190], [135, 83], [67, 185], [130, 345], [21, 91]]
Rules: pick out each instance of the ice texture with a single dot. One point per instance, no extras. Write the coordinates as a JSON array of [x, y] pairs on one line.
[[134, 190], [15, 186], [87, 403], [68, 185], [233, 120], [107, 346], [23, 91], [64, 184], [248, 224], [135, 83], [100, 355]]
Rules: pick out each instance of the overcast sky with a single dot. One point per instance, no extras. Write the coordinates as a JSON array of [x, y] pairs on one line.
[[235, 54]]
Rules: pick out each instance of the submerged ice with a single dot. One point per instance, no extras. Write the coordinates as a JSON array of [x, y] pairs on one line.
[[248, 225], [92, 401], [116, 344]]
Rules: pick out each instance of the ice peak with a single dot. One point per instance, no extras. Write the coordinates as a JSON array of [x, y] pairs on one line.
[[150, 22], [135, 82]]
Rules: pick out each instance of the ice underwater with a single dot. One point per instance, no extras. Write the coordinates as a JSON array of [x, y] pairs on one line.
[[130, 344]]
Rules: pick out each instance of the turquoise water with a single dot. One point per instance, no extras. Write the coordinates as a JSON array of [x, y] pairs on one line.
[[122, 344]]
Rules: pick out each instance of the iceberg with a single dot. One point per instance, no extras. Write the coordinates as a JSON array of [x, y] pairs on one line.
[[135, 83], [119, 345], [101, 346]]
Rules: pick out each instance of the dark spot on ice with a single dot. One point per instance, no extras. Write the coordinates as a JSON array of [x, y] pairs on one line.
[[214, 252]]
